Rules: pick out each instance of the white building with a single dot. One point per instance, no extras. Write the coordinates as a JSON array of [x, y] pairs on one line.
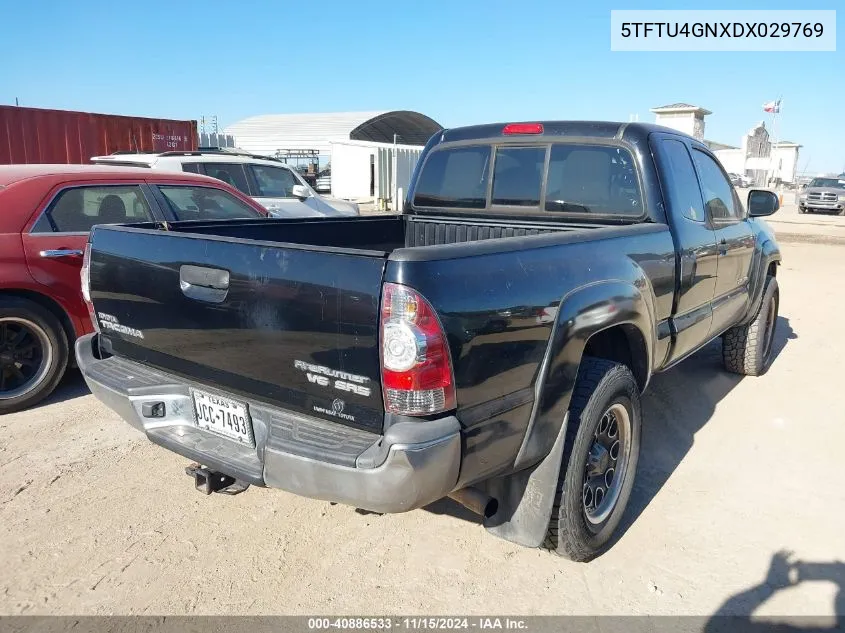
[[683, 117], [760, 158], [756, 156], [359, 145]]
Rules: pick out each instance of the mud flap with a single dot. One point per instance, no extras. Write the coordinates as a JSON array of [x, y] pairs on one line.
[[526, 498]]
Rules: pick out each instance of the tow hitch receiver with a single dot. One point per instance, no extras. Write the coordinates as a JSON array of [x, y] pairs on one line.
[[208, 481]]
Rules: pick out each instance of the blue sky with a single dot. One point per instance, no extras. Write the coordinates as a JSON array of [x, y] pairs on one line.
[[459, 62]]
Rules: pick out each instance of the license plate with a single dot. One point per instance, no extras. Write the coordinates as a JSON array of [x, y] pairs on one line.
[[223, 416]]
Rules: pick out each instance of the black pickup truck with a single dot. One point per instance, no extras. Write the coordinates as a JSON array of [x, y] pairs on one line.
[[489, 344]]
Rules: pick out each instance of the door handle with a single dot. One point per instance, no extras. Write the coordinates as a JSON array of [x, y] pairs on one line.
[[204, 284], [723, 247], [62, 252]]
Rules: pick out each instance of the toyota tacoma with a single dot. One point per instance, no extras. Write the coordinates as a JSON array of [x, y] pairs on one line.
[[490, 344]]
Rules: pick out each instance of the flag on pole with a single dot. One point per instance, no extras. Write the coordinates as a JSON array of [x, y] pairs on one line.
[[772, 106]]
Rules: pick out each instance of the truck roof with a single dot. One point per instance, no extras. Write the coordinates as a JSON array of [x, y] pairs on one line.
[[634, 131]]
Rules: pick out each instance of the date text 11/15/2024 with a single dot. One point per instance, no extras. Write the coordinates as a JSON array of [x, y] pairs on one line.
[[416, 623]]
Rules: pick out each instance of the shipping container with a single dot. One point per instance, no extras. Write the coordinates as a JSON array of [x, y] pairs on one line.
[[34, 135]]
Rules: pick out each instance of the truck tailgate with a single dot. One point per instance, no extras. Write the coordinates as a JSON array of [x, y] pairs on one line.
[[290, 325]]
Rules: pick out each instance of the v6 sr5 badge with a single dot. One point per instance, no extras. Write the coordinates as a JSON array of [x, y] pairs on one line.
[[328, 377]]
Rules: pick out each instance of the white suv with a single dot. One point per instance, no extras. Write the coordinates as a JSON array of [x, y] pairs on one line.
[[271, 183]]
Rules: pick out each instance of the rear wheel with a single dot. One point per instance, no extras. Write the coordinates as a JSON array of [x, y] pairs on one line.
[[599, 460], [33, 353]]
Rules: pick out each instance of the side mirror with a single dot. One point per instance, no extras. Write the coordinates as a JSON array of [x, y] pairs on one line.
[[762, 203], [300, 191]]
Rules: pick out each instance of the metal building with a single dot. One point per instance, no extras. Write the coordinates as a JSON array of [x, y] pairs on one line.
[[360, 146]]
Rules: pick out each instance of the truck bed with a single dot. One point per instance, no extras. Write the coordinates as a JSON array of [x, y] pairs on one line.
[[377, 234], [291, 295]]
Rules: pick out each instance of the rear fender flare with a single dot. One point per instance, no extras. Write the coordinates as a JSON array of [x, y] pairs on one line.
[[526, 497], [585, 312]]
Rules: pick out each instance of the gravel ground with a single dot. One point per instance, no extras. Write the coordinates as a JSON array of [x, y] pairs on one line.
[[739, 507]]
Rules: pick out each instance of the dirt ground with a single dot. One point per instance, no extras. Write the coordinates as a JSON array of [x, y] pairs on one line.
[[739, 507]]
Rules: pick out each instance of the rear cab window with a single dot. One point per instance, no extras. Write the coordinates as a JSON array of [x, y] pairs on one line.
[[550, 179]]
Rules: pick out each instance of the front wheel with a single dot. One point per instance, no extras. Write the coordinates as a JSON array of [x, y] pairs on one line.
[[33, 353], [599, 460], [747, 349]]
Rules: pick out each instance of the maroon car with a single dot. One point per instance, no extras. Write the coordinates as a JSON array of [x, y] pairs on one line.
[[46, 212]]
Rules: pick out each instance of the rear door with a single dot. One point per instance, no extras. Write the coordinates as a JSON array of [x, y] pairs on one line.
[[695, 240], [735, 242], [55, 238], [294, 326]]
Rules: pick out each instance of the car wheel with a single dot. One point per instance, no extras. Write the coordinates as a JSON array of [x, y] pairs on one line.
[[33, 353], [747, 349], [599, 460]]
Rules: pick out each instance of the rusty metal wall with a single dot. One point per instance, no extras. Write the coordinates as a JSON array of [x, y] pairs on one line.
[[34, 135]]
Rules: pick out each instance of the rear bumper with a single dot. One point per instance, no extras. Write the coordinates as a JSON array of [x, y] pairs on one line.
[[411, 465]]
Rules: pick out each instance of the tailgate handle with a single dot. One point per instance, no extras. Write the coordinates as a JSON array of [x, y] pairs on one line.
[[204, 284]]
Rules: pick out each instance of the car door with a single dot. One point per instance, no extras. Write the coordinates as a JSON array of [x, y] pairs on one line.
[[55, 238], [696, 243], [273, 190], [734, 238]]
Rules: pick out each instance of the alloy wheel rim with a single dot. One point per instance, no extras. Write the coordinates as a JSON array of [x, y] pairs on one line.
[[607, 464], [25, 356]]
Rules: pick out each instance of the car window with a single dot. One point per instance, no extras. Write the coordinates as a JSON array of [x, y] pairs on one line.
[[593, 179], [78, 209], [455, 178], [274, 182], [517, 176], [231, 173], [681, 182], [717, 190], [205, 203], [194, 168]]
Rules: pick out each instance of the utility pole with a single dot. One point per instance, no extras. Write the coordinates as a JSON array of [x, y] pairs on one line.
[[394, 185]]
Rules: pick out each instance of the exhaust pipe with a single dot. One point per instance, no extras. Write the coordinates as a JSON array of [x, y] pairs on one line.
[[476, 501]]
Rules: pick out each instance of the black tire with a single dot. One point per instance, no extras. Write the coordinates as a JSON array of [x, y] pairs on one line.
[[45, 343], [747, 349], [601, 385]]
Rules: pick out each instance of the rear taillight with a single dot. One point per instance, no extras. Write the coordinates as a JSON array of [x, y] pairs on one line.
[[85, 279], [416, 369]]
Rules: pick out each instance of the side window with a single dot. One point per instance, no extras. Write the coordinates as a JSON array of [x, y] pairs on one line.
[[682, 185], [194, 168], [454, 178], [77, 210], [205, 203], [230, 173], [717, 190], [274, 182], [518, 175]]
